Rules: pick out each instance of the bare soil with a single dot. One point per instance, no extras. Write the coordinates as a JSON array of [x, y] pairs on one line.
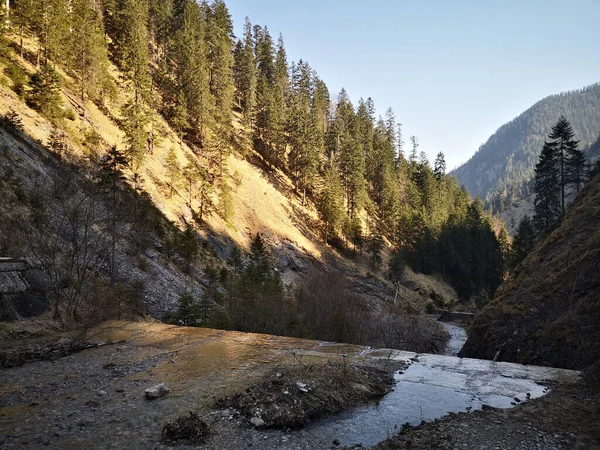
[[290, 397]]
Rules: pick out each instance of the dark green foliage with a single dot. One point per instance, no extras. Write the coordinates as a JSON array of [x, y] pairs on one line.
[[57, 142], [235, 260], [187, 246], [330, 205], [561, 164], [565, 147], [256, 300], [88, 52], [44, 93], [547, 189], [18, 77], [112, 166], [524, 241], [189, 310], [374, 245]]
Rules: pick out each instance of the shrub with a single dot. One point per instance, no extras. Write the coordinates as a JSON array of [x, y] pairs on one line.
[[18, 77], [430, 308]]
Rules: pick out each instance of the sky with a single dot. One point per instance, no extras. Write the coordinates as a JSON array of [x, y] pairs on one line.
[[452, 71]]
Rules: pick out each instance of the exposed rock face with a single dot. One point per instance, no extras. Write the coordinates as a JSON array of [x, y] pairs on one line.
[[21, 289], [548, 312]]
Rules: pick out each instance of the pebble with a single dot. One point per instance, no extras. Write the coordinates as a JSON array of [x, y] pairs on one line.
[[257, 422]]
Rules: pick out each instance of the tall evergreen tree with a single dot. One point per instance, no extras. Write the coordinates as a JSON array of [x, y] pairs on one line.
[[219, 29], [439, 166], [88, 53], [564, 145], [547, 189], [189, 52], [331, 203]]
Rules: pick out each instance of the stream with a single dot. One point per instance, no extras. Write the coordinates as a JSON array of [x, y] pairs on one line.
[[433, 386]]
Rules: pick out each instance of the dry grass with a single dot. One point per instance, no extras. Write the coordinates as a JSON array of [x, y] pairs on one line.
[[26, 328]]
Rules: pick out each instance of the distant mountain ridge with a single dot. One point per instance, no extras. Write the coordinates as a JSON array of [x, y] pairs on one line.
[[502, 169]]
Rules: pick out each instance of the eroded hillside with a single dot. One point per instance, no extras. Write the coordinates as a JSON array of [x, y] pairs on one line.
[[547, 312]]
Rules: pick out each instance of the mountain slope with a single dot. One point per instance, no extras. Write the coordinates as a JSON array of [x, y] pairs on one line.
[[548, 312], [262, 200], [506, 161]]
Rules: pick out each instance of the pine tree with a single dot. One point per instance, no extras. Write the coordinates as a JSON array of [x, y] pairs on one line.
[[130, 48], [375, 246], [88, 49], [180, 118], [189, 53], [131, 45], [219, 29], [330, 205], [206, 204], [44, 93], [235, 260], [111, 175], [547, 189], [258, 270], [524, 241], [245, 75], [439, 166], [161, 20], [280, 95], [26, 15], [192, 177], [565, 146]]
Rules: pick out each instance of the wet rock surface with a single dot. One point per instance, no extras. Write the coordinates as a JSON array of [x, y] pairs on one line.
[[568, 418], [96, 398]]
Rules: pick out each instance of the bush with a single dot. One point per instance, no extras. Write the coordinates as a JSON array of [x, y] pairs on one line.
[[430, 308], [18, 77]]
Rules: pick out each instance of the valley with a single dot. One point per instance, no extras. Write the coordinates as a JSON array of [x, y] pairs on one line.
[[207, 243]]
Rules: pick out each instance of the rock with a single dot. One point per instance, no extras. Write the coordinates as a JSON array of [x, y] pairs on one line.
[[336, 442], [257, 422], [302, 386], [284, 261], [160, 390]]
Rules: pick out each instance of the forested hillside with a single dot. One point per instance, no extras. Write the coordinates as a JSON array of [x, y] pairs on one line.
[[502, 169], [233, 143], [547, 312]]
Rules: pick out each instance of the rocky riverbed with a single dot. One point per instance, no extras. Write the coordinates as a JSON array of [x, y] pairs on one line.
[[95, 398]]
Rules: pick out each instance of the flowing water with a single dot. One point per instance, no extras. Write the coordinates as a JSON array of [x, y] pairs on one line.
[[103, 387], [433, 386], [458, 337]]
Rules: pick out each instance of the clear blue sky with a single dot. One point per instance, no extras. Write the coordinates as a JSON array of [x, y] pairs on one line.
[[452, 71]]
